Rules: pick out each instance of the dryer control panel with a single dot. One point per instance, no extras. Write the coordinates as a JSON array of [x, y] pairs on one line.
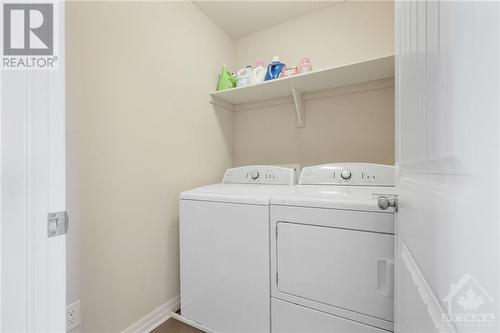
[[260, 174], [354, 174]]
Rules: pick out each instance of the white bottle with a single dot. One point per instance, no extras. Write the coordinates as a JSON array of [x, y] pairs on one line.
[[259, 73], [244, 77]]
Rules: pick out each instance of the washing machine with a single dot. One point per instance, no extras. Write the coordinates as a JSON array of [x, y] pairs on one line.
[[332, 251], [224, 249]]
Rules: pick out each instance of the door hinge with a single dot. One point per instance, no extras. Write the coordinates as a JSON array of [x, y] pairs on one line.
[[57, 224]]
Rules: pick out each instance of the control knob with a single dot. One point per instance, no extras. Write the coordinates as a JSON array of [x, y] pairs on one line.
[[255, 175], [346, 174]]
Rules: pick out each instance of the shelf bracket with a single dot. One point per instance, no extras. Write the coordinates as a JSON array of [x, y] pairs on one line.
[[299, 107]]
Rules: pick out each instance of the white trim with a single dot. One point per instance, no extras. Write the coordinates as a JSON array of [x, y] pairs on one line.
[[191, 323], [331, 92], [430, 300], [33, 277], [155, 318], [1, 136]]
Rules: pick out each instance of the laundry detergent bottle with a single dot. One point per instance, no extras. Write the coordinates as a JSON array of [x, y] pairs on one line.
[[274, 69], [226, 79], [244, 76], [259, 73]]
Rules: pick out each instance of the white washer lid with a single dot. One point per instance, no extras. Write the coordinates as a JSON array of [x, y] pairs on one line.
[[335, 197], [255, 194]]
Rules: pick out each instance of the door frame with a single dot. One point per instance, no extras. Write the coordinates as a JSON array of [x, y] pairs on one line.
[[32, 182]]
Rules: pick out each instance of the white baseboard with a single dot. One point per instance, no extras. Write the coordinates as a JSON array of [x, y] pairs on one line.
[[155, 318], [192, 323]]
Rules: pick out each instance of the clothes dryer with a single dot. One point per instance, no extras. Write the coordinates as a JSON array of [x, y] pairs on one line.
[[332, 254]]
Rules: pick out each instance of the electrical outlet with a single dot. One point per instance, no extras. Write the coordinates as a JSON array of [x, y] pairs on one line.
[[73, 316]]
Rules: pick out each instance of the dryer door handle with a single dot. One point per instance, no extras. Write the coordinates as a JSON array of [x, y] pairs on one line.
[[384, 202], [385, 277]]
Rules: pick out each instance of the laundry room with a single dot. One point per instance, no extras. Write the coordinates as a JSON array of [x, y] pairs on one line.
[[250, 166], [141, 126]]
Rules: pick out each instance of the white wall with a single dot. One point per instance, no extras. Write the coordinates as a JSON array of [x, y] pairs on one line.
[[354, 124], [140, 130]]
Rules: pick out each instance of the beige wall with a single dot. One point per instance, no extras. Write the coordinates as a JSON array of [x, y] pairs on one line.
[[140, 130], [352, 124], [347, 32]]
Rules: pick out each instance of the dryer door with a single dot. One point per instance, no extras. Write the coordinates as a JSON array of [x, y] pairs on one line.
[[344, 268]]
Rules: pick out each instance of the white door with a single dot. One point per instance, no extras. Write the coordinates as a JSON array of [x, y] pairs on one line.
[[448, 163], [32, 164]]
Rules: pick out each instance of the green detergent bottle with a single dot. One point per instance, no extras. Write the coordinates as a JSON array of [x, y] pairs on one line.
[[226, 79]]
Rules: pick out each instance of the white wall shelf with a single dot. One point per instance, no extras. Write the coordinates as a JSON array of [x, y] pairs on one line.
[[295, 86]]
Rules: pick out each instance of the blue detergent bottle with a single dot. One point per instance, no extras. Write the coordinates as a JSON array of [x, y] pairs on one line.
[[274, 69]]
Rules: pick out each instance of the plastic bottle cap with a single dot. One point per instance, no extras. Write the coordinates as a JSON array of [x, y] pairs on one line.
[[248, 66], [276, 59], [259, 63], [305, 60]]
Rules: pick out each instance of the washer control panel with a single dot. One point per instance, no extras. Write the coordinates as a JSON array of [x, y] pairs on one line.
[[359, 174], [260, 174]]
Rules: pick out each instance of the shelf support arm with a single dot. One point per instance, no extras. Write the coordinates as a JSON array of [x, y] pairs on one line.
[[299, 107]]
